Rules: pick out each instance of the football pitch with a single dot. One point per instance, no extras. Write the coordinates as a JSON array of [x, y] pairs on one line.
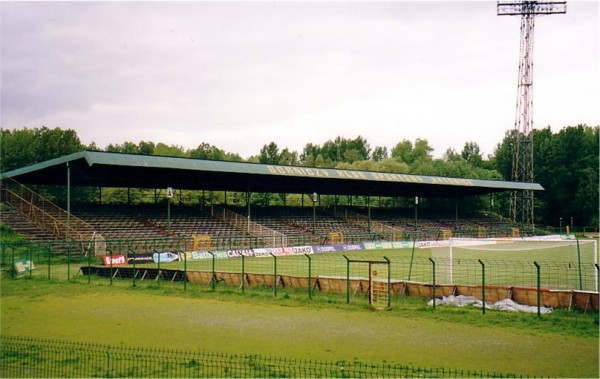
[[411, 333], [508, 264]]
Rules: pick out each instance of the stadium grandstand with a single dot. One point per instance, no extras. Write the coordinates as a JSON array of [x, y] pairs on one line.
[[217, 204]]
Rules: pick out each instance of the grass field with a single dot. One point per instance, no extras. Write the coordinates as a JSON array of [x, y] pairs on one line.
[[505, 265], [560, 267], [562, 344]]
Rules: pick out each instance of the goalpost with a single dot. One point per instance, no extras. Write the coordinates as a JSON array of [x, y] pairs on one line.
[[571, 263]]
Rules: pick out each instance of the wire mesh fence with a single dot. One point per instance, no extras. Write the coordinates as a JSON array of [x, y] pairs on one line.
[[64, 262], [29, 357]]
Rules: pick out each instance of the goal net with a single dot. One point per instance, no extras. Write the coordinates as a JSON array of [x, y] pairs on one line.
[[564, 264]]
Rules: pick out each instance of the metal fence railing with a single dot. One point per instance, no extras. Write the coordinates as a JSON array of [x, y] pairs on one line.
[[29, 357]]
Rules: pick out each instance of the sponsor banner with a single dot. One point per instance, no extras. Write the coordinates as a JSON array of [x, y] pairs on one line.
[[139, 259], [378, 245], [429, 244], [264, 252], [423, 244], [352, 246], [259, 252], [372, 245], [200, 255], [114, 260], [217, 254], [303, 250], [292, 250], [338, 248], [402, 244], [165, 257], [325, 248], [238, 253]]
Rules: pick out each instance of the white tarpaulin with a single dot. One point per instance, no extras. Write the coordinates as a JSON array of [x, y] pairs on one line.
[[503, 305]]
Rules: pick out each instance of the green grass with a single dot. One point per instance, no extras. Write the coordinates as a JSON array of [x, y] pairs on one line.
[[562, 344], [516, 268]]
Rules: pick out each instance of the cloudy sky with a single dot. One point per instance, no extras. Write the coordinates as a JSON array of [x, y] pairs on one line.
[[239, 75]]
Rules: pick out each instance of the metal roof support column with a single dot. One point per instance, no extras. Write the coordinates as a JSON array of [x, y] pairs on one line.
[[456, 212], [248, 204], [68, 234], [369, 212]]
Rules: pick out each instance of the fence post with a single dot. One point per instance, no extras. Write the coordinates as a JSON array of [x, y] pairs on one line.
[[49, 258], [133, 259], [597, 277], [89, 258], [412, 256], [274, 274], [213, 278], [482, 284], [433, 263], [347, 279], [537, 266], [389, 283], [309, 276], [158, 256], [12, 265], [30, 261], [184, 271], [243, 273], [579, 266], [3, 249], [111, 264], [69, 263]]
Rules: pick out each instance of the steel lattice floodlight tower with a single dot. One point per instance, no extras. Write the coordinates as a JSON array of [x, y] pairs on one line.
[[521, 202]]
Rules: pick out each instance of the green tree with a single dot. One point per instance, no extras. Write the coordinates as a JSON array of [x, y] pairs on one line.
[[269, 154], [23, 147], [566, 165], [309, 154], [451, 155], [379, 153], [404, 151], [208, 152], [503, 155], [288, 158], [165, 150], [344, 150], [472, 154]]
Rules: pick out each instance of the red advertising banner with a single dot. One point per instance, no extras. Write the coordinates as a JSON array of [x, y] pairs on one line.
[[114, 260]]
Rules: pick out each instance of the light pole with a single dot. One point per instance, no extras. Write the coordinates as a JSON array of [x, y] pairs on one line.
[[571, 224], [169, 196], [416, 206], [560, 225]]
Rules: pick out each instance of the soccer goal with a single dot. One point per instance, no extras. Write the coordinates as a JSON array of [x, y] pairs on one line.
[[565, 264]]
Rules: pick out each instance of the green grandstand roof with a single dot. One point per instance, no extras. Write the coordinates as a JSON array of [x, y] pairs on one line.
[[103, 169]]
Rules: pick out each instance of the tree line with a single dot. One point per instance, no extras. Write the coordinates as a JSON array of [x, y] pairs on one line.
[[565, 163]]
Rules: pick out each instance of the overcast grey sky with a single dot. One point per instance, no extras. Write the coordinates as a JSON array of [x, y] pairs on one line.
[[239, 75]]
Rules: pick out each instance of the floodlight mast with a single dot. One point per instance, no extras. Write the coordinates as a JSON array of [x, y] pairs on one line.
[[521, 202]]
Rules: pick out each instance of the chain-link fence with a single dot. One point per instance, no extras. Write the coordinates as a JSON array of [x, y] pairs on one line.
[[64, 261], [28, 357]]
